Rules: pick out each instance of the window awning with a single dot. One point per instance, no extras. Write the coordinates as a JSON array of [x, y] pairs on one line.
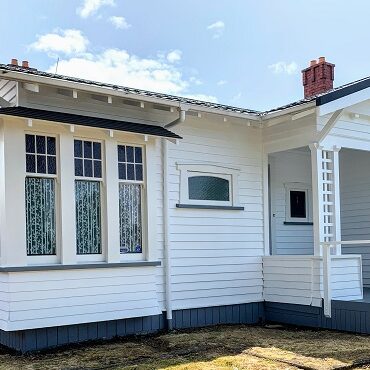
[[76, 119]]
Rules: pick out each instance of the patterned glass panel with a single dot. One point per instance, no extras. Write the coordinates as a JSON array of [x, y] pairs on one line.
[[208, 188], [88, 217], [130, 218], [40, 216]]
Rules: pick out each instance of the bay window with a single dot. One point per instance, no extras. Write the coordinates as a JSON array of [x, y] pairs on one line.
[[131, 181], [40, 197]]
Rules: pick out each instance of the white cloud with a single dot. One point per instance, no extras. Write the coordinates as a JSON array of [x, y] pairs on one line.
[[221, 82], [195, 80], [236, 99], [119, 22], [217, 29], [64, 41], [174, 56], [121, 68], [90, 7], [284, 67]]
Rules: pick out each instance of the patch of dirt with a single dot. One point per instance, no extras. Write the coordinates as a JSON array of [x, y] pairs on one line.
[[221, 348]]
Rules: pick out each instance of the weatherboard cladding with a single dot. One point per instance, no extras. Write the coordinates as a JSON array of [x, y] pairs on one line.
[[319, 99], [76, 119]]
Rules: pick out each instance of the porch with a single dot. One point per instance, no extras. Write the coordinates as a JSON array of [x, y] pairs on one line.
[[319, 213]]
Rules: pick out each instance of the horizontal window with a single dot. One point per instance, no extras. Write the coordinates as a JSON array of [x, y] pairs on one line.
[[209, 188], [208, 185]]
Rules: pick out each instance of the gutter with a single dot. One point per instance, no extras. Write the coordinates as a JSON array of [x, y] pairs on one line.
[[166, 221]]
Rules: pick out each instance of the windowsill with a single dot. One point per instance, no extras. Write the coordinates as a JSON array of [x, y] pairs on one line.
[[80, 266], [297, 223], [204, 206]]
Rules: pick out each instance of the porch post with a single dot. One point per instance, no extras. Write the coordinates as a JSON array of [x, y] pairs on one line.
[[325, 196], [336, 206], [317, 215]]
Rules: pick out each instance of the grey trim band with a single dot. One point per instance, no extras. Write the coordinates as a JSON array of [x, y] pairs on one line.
[[79, 266], [201, 206], [297, 223]]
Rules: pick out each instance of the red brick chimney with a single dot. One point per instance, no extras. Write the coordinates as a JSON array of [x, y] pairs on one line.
[[318, 77]]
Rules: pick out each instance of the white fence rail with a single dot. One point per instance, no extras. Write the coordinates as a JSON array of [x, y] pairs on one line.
[[327, 262]]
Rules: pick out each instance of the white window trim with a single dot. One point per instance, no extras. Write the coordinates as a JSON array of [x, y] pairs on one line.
[[81, 258], [137, 256], [55, 258], [196, 169], [297, 186]]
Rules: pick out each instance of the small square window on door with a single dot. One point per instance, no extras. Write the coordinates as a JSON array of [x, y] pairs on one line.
[[298, 207]]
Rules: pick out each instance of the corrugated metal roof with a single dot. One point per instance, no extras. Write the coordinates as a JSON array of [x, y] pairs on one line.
[[320, 99], [129, 90], [76, 119]]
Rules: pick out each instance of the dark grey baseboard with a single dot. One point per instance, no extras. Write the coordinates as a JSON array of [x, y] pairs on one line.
[[43, 338]]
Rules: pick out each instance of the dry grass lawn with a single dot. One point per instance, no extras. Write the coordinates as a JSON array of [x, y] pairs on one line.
[[221, 348]]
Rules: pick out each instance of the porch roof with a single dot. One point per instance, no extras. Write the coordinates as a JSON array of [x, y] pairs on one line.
[[76, 119]]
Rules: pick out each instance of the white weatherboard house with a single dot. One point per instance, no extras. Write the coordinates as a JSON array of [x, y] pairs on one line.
[[125, 211]]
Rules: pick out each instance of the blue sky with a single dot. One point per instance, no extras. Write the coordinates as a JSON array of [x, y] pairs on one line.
[[240, 52]]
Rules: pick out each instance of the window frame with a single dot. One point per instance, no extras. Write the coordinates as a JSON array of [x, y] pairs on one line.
[[307, 189], [144, 209], [52, 258], [93, 257], [188, 170]]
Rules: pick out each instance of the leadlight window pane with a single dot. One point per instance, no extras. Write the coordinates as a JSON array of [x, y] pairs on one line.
[[40, 216], [78, 148], [52, 164], [88, 168], [30, 144], [87, 149], [297, 204], [130, 171], [97, 151], [30, 163], [130, 218], [40, 144], [51, 149], [130, 154], [88, 217], [209, 188], [138, 155], [88, 159], [139, 172], [41, 164]]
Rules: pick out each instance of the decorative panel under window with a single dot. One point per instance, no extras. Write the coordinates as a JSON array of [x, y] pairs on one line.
[[88, 217], [40, 216], [130, 218]]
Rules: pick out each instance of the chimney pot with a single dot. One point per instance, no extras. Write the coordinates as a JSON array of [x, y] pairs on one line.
[[14, 62], [25, 64], [318, 77], [322, 60]]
